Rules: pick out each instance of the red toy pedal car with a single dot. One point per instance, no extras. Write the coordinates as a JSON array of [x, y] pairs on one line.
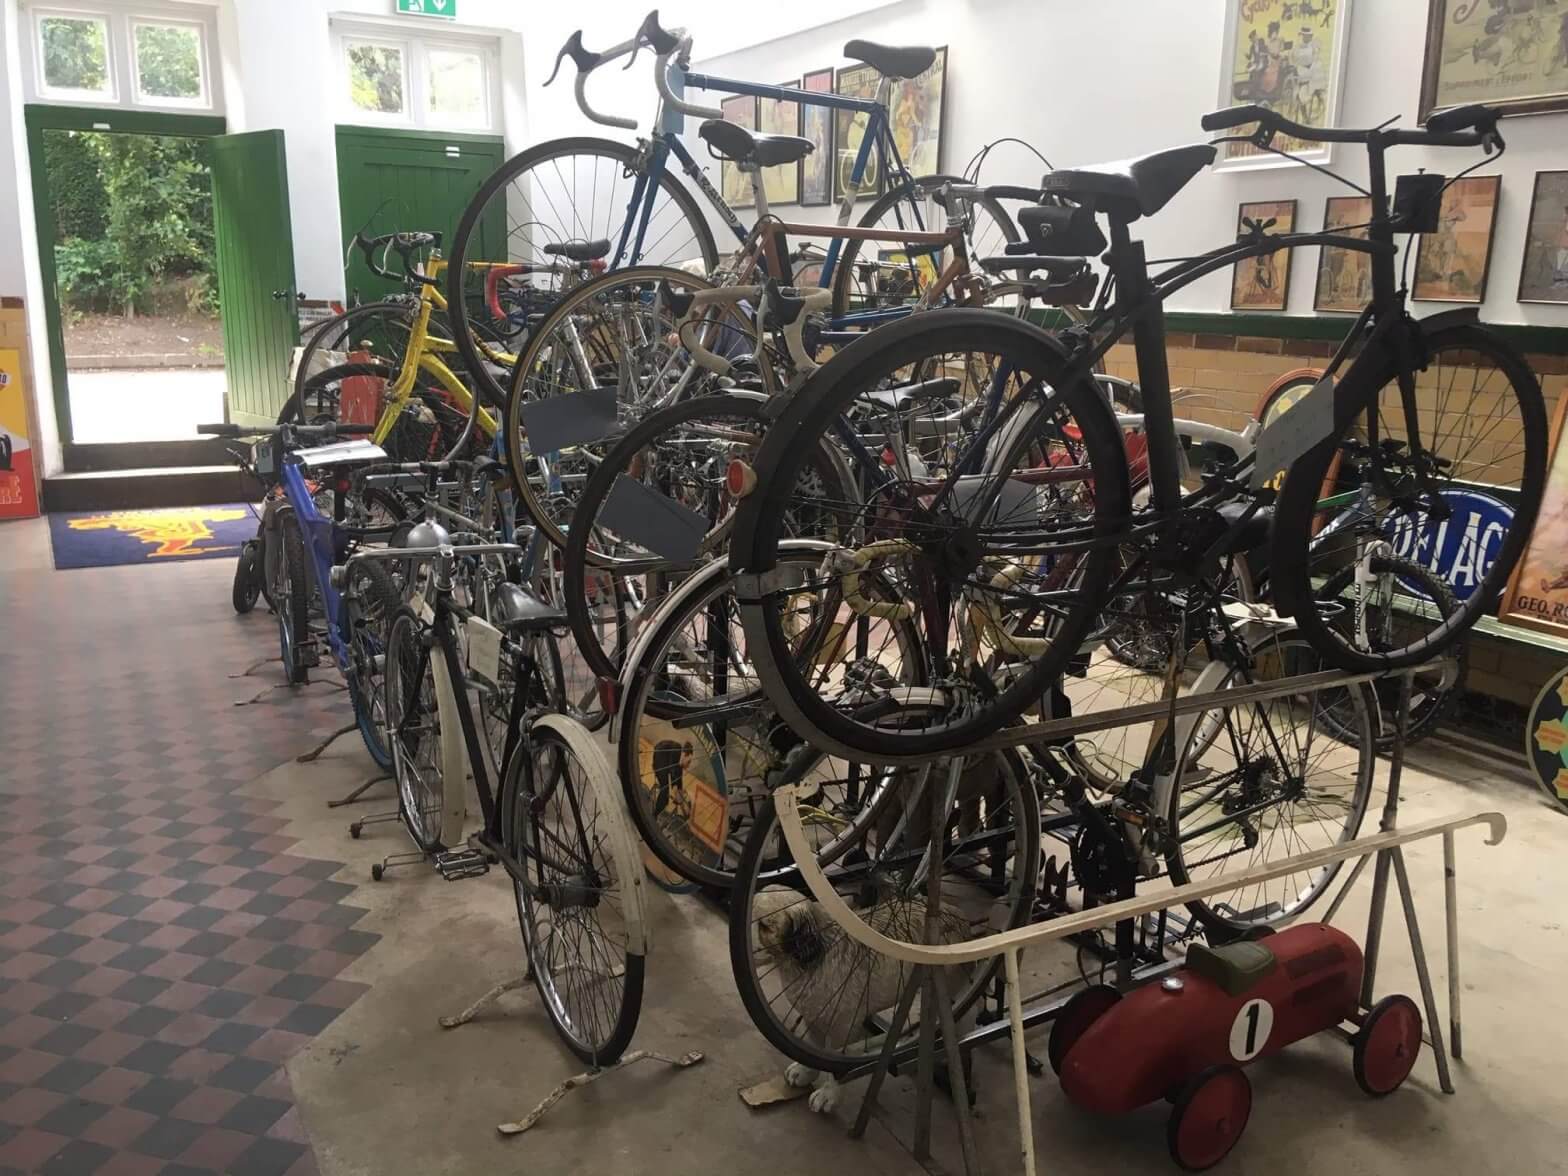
[[1186, 1038]]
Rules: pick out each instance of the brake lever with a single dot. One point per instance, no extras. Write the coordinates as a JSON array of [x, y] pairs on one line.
[[582, 58]]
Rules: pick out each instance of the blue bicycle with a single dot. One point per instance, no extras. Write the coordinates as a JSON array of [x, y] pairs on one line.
[[610, 205], [301, 546]]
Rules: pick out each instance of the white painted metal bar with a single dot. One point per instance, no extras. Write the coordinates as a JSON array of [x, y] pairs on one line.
[[1451, 903]]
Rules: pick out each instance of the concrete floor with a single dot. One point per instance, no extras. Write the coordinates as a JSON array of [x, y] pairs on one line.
[[384, 1089], [161, 405]]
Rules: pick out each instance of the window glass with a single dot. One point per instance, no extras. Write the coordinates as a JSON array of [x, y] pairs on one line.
[[375, 77], [456, 92], [75, 53], [168, 61]]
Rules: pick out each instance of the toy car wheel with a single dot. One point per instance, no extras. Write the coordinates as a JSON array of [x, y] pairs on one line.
[[1387, 1046], [1083, 1009], [1210, 1114]]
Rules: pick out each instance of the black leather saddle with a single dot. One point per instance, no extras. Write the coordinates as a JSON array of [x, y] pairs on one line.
[[520, 611], [890, 60], [738, 145], [579, 250], [1132, 187]]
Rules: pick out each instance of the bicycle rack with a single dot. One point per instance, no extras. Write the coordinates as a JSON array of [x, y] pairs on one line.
[[930, 960]]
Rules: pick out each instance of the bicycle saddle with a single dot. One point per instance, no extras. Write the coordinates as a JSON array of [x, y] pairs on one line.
[[518, 611], [908, 62], [738, 145], [1131, 188], [579, 250]]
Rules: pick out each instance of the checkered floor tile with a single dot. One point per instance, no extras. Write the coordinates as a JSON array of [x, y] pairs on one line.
[[161, 951]]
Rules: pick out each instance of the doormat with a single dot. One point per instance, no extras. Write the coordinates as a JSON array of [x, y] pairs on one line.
[[107, 538]]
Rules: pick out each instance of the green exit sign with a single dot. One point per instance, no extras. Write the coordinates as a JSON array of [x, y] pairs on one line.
[[445, 9]]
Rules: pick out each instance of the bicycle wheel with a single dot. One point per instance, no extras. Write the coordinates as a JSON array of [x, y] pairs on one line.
[[1010, 558], [377, 332], [291, 598], [581, 906], [611, 341], [1259, 781], [876, 276], [246, 589], [576, 190], [817, 995], [413, 716], [672, 465], [1404, 595], [699, 745], [370, 600], [319, 399], [1481, 428]]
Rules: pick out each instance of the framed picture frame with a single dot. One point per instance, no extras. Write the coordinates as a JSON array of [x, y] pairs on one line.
[[1543, 272], [917, 110], [1287, 55], [1502, 54], [1344, 281], [816, 124], [1451, 263], [1263, 283], [775, 116], [1537, 593], [849, 128], [734, 184]]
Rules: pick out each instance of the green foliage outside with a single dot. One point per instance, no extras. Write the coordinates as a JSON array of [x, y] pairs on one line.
[[75, 54], [375, 74], [168, 61]]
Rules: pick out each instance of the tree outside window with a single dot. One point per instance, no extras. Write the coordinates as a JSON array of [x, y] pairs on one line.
[[168, 61], [75, 53], [375, 77]]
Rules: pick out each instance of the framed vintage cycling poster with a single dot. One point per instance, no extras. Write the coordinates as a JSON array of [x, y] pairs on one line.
[[1287, 55], [1543, 274], [1344, 276], [916, 113], [775, 116], [734, 184], [849, 128], [1508, 53], [1537, 593], [1263, 283], [816, 124], [1451, 263]]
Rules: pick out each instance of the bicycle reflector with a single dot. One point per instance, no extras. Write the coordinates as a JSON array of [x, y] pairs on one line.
[[740, 479]]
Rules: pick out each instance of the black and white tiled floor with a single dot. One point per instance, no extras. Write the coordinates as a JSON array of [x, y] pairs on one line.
[[161, 951]]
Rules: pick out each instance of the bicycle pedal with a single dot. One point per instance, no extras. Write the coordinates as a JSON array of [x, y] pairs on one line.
[[454, 864]]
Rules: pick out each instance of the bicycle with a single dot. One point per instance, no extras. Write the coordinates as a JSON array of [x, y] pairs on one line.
[[551, 815], [1049, 474], [302, 545]]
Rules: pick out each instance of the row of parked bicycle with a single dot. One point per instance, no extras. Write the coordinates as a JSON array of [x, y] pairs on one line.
[[837, 531]]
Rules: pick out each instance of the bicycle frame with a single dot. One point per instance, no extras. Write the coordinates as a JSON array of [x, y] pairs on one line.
[[323, 539]]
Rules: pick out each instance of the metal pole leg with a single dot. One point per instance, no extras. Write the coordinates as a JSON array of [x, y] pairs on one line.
[[957, 1085], [1428, 997], [1396, 767], [1375, 927], [1451, 898], [1015, 1014]]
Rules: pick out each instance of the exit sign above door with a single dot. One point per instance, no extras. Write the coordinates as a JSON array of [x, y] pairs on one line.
[[445, 9]]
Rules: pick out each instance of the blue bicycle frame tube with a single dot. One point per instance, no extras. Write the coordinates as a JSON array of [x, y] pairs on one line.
[[320, 534]]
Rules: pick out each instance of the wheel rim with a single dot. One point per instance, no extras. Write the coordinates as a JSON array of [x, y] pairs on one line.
[[414, 732], [1213, 1119]]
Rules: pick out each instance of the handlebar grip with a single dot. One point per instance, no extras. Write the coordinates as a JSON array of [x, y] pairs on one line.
[[222, 430], [584, 59], [655, 36], [1236, 116], [1474, 116]]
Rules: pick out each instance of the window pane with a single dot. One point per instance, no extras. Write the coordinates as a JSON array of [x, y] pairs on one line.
[[375, 78], [168, 61], [76, 54], [457, 81]]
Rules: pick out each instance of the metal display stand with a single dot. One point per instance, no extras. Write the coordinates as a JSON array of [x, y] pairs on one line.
[[931, 959]]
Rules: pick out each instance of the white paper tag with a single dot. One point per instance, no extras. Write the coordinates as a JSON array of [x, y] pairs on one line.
[[484, 649]]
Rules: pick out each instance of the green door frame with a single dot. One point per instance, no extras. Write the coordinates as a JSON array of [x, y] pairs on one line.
[[84, 118]]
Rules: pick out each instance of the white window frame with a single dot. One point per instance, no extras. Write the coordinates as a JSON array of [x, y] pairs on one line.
[[416, 42], [120, 20]]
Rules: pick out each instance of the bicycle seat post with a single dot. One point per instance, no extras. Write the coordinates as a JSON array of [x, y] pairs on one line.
[[1135, 291]]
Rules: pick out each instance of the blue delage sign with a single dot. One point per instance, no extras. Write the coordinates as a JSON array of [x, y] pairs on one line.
[[1461, 548]]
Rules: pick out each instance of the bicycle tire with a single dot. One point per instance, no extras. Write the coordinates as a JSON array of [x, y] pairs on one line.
[[292, 411], [567, 742], [625, 160], [812, 413], [247, 578], [906, 193], [291, 597], [1291, 554], [416, 749], [1428, 711], [370, 601], [338, 334]]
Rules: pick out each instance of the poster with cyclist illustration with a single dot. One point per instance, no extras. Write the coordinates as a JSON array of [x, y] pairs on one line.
[[1537, 594], [1289, 56], [1509, 53]]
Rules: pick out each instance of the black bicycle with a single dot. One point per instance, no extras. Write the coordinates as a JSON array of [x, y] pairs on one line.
[[1005, 561]]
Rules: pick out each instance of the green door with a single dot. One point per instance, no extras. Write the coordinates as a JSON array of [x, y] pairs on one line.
[[255, 245], [405, 181]]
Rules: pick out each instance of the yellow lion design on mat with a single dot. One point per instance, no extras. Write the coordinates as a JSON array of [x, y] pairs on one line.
[[174, 532]]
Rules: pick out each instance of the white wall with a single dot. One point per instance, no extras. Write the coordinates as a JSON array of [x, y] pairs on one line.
[[1086, 82]]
